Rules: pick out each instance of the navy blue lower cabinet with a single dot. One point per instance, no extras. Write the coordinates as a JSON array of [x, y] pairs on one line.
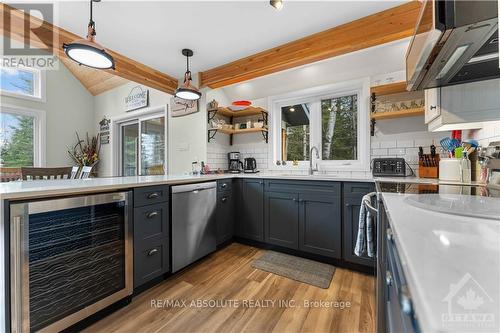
[[250, 209], [353, 194], [320, 224], [225, 216], [281, 219]]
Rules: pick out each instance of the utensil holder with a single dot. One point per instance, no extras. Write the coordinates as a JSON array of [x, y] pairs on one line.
[[428, 171]]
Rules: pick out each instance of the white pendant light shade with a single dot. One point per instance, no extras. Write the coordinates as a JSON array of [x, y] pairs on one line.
[[84, 53], [187, 91], [87, 52]]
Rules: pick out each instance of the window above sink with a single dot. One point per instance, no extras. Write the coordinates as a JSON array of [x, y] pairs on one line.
[[332, 118]]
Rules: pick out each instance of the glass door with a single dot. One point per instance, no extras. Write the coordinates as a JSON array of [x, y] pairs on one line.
[[142, 146], [153, 146], [130, 149]]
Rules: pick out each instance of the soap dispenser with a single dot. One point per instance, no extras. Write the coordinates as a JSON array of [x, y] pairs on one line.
[[465, 166]]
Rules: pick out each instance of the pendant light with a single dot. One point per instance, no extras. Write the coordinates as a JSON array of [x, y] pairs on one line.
[[87, 52], [186, 90], [277, 4]]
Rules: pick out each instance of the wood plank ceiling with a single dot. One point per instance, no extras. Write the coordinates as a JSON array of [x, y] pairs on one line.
[[52, 37], [383, 27]]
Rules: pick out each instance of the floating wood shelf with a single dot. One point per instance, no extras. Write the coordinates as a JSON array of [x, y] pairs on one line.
[[250, 111], [389, 89], [398, 114], [238, 131]]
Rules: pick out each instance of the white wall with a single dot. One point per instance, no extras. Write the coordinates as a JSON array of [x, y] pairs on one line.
[[68, 109], [186, 141]]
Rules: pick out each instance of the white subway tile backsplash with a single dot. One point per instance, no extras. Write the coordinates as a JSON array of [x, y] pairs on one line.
[[375, 144], [379, 152], [405, 143], [427, 142], [397, 151], [388, 144]]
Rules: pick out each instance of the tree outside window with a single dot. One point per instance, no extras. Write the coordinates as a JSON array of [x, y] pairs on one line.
[[339, 119], [16, 140]]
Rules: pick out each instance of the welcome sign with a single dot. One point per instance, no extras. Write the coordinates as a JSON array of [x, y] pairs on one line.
[[136, 99]]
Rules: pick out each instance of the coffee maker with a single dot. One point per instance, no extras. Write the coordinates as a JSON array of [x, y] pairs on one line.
[[235, 165]]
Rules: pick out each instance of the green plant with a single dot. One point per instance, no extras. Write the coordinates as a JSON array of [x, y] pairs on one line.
[[86, 152]]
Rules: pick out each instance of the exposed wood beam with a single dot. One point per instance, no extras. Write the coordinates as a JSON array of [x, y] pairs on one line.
[[53, 37], [383, 27]]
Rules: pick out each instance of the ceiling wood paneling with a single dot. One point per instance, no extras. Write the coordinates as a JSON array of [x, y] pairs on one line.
[[126, 68], [380, 28]]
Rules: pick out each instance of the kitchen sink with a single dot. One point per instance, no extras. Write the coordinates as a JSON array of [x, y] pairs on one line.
[[463, 205]]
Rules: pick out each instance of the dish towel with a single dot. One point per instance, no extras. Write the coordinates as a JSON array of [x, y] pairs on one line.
[[364, 242]]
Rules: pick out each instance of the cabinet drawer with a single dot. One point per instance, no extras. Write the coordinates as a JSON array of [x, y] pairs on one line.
[[224, 185], [302, 186], [151, 261], [151, 221], [150, 195], [358, 189]]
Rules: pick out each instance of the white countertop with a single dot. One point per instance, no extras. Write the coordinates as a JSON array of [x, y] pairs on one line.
[[441, 251], [46, 188]]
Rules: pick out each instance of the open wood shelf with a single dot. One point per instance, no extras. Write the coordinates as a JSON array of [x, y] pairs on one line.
[[389, 89], [250, 111], [398, 114], [238, 131]]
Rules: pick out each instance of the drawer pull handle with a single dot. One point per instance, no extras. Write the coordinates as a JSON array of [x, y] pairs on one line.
[[152, 252], [224, 199], [224, 185], [152, 214], [389, 235], [153, 195]]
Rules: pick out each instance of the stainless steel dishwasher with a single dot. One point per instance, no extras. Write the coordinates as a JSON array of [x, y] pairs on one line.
[[193, 223]]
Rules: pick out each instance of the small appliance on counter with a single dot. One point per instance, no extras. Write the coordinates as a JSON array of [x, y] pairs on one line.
[[235, 165], [389, 167], [250, 165]]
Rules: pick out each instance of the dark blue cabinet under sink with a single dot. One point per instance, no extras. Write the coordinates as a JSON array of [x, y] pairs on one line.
[[250, 209]]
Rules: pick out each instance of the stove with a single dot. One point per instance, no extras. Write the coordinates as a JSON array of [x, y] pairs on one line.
[[420, 188]]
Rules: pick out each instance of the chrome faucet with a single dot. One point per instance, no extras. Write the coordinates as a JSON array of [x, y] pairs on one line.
[[311, 170]]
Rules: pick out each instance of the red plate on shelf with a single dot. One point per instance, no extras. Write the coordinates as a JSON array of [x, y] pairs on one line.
[[242, 103]]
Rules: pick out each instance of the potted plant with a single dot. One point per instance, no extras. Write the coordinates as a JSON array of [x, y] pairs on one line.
[[86, 152]]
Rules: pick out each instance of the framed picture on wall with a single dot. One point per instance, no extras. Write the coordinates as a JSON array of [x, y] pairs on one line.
[[181, 107]]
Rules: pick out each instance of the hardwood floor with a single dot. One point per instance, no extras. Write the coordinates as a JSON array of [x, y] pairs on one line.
[[227, 276]]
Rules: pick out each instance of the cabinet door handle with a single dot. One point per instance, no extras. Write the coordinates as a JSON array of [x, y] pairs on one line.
[[388, 278], [261, 183], [152, 252], [224, 185], [405, 301], [224, 199], [389, 235], [347, 205], [153, 195], [433, 107], [150, 215]]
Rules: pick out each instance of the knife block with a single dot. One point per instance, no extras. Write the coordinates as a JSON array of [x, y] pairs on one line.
[[428, 171]]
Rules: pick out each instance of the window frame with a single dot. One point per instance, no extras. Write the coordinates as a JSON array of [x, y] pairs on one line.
[[39, 86], [361, 87], [39, 128]]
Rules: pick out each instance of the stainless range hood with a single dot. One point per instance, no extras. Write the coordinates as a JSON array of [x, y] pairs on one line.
[[455, 41]]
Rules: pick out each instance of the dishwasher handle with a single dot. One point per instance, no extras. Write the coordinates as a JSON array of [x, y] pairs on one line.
[[194, 188]]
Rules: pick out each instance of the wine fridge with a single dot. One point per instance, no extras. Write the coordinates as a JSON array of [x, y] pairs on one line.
[[69, 258]]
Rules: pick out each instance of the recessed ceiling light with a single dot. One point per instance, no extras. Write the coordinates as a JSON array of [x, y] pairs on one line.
[[87, 52], [292, 109], [278, 4]]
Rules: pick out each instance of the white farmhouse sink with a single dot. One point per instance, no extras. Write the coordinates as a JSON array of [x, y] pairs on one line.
[[463, 205]]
